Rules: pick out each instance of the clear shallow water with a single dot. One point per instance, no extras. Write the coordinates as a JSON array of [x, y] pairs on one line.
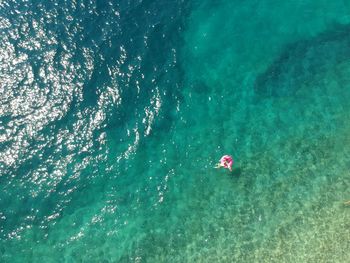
[[113, 115]]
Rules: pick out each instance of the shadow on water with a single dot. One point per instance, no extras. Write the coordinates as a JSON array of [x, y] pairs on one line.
[[236, 172], [301, 61]]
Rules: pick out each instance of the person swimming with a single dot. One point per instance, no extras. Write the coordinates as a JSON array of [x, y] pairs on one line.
[[226, 161]]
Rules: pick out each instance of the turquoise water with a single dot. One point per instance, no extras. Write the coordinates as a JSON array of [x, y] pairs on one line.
[[113, 115]]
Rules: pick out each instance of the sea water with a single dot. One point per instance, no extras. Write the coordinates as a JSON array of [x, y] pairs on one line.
[[114, 113]]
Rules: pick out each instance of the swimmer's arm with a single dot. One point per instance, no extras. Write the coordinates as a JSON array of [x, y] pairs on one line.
[[218, 165]]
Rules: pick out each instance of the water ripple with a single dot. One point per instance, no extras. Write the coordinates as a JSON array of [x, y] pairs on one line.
[[83, 86]]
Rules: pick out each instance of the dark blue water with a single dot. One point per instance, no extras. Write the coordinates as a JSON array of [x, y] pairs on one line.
[[113, 115]]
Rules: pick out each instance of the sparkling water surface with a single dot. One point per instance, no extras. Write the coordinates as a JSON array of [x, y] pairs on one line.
[[114, 113]]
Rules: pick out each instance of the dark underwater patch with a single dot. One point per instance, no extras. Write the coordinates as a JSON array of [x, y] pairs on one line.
[[302, 61]]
